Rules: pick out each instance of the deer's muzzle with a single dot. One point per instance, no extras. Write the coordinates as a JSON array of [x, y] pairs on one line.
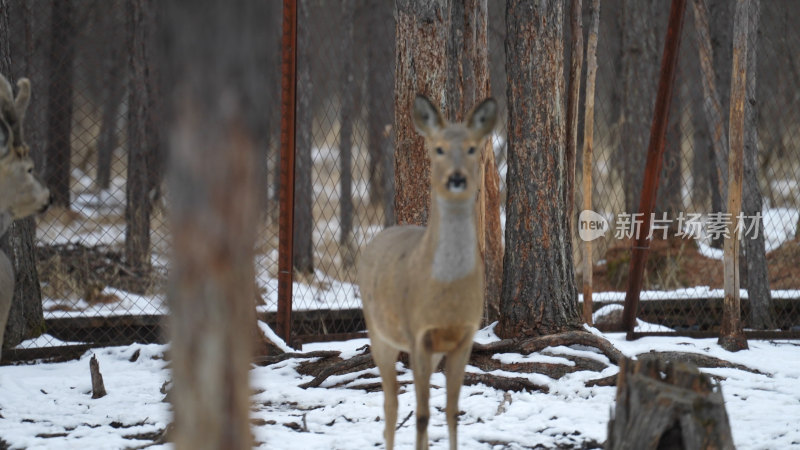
[[457, 182]]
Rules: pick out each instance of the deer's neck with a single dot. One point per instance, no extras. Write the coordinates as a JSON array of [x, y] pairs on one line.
[[453, 235]]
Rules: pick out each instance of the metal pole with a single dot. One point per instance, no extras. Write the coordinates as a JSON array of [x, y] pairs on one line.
[[286, 191], [652, 171]]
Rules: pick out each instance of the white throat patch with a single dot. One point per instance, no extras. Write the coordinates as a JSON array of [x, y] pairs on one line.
[[454, 257]]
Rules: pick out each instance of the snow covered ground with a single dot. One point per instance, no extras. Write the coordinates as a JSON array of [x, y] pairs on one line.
[[49, 405]]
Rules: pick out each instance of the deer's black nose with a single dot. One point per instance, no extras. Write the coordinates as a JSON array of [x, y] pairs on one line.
[[457, 182]]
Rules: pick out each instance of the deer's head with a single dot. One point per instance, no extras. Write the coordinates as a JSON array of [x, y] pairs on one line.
[[455, 149], [21, 193]]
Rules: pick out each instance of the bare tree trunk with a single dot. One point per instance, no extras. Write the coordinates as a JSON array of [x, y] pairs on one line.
[[467, 84], [587, 160], [714, 84], [212, 185], [346, 118], [420, 67], [62, 55], [640, 65], [573, 98], [456, 76], [141, 143], [380, 82], [304, 166], [753, 269], [114, 79], [731, 333], [539, 293], [26, 318]]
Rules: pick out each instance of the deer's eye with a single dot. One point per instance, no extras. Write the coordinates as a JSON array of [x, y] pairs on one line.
[[471, 150], [439, 151]]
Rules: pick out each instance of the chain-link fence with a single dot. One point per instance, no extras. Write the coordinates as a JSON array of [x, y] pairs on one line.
[[102, 256]]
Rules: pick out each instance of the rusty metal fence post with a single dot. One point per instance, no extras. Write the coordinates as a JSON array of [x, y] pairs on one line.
[[655, 153], [286, 219]]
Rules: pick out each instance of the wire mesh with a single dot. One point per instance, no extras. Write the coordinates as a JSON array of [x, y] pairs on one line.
[[92, 291]]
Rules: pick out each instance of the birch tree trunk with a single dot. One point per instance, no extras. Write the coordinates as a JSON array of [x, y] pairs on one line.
[[539, 294]]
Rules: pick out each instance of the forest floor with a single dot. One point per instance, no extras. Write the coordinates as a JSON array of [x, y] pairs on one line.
[[49, 405]]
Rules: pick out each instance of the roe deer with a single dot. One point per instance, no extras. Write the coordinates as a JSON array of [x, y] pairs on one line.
[[422, 287], [21, 193]]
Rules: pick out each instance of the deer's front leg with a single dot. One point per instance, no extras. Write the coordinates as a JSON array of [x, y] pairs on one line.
[[454, 371], [422, 365]]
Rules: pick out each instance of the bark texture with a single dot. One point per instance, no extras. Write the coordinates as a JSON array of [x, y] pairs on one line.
[[539, 294], [420, 67], [215, 202]]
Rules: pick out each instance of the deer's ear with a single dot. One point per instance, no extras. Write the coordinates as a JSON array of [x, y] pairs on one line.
[[23, 98], [426, 117], [482, 118]]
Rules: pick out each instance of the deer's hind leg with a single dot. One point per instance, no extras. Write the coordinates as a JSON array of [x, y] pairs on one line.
[[385, 357]]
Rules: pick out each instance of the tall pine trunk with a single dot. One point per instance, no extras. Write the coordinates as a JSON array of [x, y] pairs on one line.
[[539, 294], [455, 76], [420, 67]]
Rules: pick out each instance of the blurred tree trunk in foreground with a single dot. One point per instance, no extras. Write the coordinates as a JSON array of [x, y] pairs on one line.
[[214, 214]]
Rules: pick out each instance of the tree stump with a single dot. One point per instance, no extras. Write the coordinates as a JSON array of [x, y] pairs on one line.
[[667, 406]]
